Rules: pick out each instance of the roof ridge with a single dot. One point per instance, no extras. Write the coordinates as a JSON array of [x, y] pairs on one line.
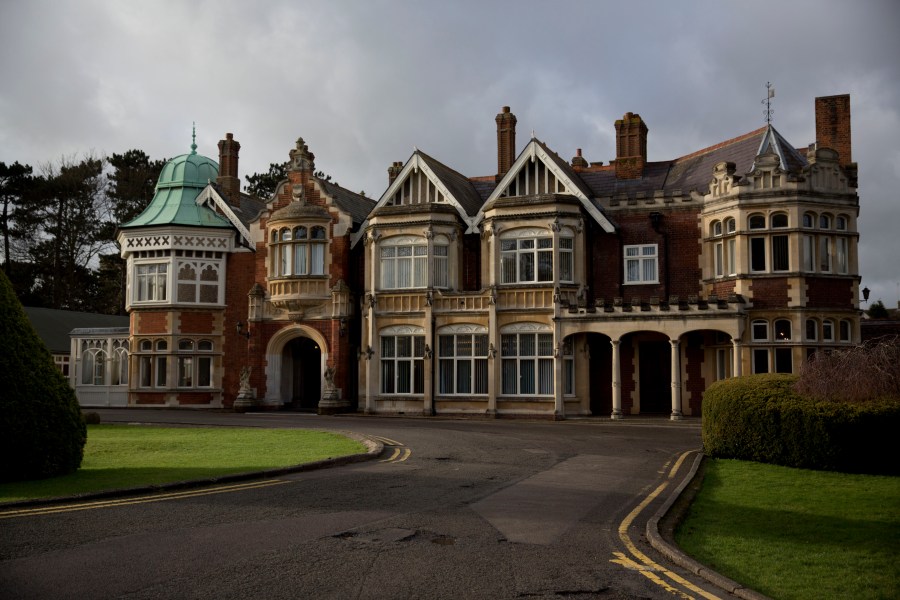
[[714, 147]]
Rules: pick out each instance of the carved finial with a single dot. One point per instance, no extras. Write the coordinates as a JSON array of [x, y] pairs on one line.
[[194, 138]]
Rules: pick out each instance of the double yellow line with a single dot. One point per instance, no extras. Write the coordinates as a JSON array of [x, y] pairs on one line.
[[400, 453], [54, 509], [644, 564]]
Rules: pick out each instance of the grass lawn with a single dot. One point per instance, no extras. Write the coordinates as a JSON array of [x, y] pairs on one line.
[[123, 456], [793, 533]]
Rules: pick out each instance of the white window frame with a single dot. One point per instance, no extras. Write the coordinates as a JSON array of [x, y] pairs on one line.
[[463, 360], [636, 264], [412, 362], [403, 254], [522, 250], [527, 361], [192, 290], [151, 282]]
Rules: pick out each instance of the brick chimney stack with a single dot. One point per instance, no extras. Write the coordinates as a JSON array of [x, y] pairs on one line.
[[394, 171], [631, 146], [228, 180], [506, 141], [833, 126], [578, 161]]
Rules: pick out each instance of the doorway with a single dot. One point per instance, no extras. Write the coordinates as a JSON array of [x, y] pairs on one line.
[[600, 374], [655, 366], [303, 374]]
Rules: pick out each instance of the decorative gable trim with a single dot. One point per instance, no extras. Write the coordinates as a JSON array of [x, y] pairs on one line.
[[413, 166], [210, 198], [532, 152]]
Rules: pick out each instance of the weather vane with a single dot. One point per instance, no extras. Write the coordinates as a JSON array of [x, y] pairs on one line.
[[769, 110]]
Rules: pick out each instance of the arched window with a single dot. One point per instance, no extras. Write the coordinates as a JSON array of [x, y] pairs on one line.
[[841, 223], [779, 220], [198, 282], [824, 221], [730, 225], [716, 228], [757, 222], [298, 251], [844, 330], [93, 362], [809, 220], [812, 330], [760, 330], [119, 363], [827, 330], [782, 330]]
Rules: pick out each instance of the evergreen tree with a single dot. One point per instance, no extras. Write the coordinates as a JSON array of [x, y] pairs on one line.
[[64, 225], [132, 183], [878, 311], [262, 185], [42, 432], [15, 181]]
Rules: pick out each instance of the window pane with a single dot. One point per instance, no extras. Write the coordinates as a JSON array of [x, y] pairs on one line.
[[841, 248], [545, 266], [783, 360], [301, 265], [526, 376], [508, 267], [566, 269], [481, 376], [510, 376], [508, 344], [757, 254], [419, 377], [545, 344], [161, 371], [204, 371], [481, 345], [445, 345], [780, 252], [464, 377], [649, 270], [526, 344], [545, 376], [421, 268], [720, 260], [732, 259], [526, 266], [387, 377], [809, 253], [632, 270], [464, 345], [811, 327], [824, 254], [387, 347], [446, 376], [760, 360]]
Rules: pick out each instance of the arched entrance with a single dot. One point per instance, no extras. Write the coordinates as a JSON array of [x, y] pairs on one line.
[[654, 365], [301, 374], [600, 374]]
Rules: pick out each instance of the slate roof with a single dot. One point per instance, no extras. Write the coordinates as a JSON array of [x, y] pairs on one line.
[[357, 206], [53, 326], [459, 185]]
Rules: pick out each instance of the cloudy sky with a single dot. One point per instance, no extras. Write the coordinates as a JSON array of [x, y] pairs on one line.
[[364, 82]]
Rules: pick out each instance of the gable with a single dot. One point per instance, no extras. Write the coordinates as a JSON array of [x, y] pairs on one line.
[[211, 199], [537, 171]]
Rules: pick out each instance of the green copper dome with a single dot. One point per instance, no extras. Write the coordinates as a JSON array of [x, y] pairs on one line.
[[175, 201]]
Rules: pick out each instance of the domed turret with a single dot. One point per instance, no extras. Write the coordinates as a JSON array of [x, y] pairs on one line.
[[174, 203]]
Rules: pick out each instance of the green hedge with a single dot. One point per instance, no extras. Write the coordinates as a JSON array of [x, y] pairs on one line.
[[762, 418], [42, 433]]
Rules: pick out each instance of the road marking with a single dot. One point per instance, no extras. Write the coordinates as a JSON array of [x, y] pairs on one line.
[[58, 508], [401, 452], [649, 566]]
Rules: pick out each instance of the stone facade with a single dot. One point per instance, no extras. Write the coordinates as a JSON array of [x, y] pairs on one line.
[[548, 289]]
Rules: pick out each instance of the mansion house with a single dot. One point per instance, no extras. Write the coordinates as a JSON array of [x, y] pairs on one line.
[[550, 288]]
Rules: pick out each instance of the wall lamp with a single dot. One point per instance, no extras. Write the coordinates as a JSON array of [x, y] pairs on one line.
[[240, 330], [655, 219], [865, 292]]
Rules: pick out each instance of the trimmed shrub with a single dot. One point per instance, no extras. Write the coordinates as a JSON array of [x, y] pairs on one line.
[[42, 433], [762, 418]]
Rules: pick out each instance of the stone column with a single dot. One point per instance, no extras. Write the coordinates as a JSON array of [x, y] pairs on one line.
[[676, 381], [736, 371], [616, 382]]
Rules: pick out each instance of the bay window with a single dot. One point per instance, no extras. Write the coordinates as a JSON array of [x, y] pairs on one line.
[[403, 360], [463, 360], [299, 250], [527, 360], [150, 282]]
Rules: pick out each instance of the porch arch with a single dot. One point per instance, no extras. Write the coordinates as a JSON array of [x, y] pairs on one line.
[[274, 360]]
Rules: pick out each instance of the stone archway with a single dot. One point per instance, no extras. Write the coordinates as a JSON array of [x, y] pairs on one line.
[[295, 365]]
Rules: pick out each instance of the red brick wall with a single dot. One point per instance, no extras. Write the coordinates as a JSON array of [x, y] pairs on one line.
[[149, 322], [196, 322], [829, 293], [833, 125], [769, 292], [678, 243]]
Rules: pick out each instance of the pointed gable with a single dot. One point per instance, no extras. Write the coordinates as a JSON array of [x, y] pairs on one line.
[[538, 171], [773, 143]]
